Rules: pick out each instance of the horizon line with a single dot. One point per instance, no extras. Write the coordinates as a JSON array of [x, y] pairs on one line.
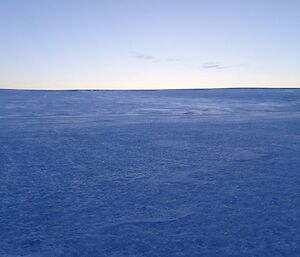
[[150, 89]]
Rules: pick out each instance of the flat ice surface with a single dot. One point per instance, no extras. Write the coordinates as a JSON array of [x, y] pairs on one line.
[[211, 173]]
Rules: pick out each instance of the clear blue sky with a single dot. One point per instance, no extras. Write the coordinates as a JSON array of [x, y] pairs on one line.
[[132, 44]]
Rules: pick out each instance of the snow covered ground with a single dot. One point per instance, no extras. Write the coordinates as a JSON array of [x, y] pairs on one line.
[[211, 173]]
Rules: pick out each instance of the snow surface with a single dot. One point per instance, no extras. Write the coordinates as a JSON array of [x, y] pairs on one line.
[[211, 173]]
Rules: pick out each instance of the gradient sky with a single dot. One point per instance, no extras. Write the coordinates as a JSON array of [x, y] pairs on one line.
[[143, 44]]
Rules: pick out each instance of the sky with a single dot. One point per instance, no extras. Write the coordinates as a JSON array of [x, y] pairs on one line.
[[149, 44]]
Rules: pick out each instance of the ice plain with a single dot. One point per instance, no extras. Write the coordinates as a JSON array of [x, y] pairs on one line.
[[211, 173]]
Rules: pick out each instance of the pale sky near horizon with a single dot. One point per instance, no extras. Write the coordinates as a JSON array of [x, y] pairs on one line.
[[149, 44]]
